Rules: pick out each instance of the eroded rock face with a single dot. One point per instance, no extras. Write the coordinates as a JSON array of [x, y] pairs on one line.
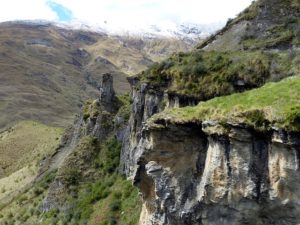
[[107, 106], [190, 174], [147, 101]]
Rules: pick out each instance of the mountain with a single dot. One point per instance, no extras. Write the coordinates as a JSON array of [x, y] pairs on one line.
[[48, 71], [183, 31]]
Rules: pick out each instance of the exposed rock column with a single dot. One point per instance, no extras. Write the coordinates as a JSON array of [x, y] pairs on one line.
[[107, 96]]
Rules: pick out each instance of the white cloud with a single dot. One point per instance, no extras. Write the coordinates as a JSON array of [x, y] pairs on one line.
[[25, 10], [129, 13]]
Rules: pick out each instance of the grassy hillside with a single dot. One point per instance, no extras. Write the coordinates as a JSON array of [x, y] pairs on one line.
[[26, 206], [134, 54], [26, 143], [22, 148], [260, 45], [43, 75], [274, 104]]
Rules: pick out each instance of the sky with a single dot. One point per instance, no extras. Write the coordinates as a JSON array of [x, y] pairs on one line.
[[126, 14]]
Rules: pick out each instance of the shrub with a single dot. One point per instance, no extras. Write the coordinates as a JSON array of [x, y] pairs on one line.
[[115, 205], [112, 155], [71, 176], [37, 191]]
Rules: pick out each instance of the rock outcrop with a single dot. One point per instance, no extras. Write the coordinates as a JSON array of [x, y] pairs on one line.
[[78, 149], [107, 97]]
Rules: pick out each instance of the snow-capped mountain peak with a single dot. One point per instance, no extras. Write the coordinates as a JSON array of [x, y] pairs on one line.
[[187, 31]]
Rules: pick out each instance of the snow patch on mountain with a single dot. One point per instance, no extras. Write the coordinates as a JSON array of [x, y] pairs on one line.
[[184, 31], [179, 31]]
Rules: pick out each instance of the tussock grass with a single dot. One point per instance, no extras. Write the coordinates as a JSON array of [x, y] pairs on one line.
[[26, 208], [26, 143]]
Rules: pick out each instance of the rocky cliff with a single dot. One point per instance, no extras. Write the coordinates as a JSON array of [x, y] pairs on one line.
[[208, 173]]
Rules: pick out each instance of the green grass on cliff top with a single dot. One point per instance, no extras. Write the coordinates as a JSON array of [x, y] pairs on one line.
[[274, 104]]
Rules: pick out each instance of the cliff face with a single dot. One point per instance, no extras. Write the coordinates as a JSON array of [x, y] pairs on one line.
[[146, 101], [212, 174]]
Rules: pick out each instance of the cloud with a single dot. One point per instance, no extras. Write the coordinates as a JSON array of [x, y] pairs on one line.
[[126, 14], [25, 10]]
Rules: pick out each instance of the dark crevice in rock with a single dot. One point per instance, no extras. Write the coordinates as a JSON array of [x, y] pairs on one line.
[[202, 155], [259, 165], [226, 144]]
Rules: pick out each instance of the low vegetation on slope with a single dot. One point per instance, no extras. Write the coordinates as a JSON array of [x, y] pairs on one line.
[[22, 148], [95, 193], [274, 104], [256, 8], [26, 142], [205, 75], [26, 208]]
